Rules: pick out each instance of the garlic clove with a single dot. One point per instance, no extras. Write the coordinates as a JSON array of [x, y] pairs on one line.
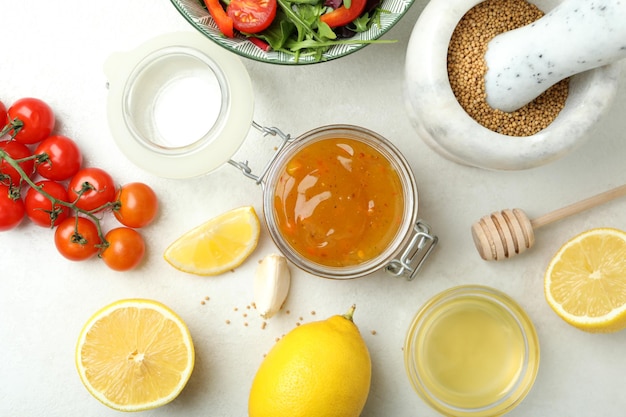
[[271, 285]]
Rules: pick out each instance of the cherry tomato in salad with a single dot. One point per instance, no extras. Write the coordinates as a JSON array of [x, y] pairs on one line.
[[91, 188], [343, 15], [63, 160], [16, 150], [39, 208], [125, 250], [37, 118], [251, 16], [136, 205], [11, 209], [77, 239]]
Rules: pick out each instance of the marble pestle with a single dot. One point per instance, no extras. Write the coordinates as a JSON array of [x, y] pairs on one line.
[[575, 36]]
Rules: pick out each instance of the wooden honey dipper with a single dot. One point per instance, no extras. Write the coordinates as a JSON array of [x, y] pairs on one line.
[[510, 232]]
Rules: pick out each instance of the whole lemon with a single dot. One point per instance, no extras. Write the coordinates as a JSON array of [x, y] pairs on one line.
[[319, 369]]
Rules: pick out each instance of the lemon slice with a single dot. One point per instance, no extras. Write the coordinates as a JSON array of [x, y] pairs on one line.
[[585, 283], [219, 245], [135, 355]]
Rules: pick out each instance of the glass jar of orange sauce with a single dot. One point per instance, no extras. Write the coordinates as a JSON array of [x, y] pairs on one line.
[[340, 201]]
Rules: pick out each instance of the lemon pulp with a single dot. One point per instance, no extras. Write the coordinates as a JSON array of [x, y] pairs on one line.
[[135, 355], [218, 245], [585, 282]]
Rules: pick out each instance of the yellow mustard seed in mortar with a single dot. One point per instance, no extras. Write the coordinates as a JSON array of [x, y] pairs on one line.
[[467, 69]]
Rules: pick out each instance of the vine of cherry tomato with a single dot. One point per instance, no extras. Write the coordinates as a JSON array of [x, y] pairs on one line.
[[18, 151], [42, 178], [136, 205], [91, 189], [3, 114], [40, 209], [77, 239], [12, 209], [126, 249], [63, 158], [37, 118]]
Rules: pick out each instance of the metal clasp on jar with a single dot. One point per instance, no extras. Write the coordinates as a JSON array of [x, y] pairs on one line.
[[273, 131], [414, 255]]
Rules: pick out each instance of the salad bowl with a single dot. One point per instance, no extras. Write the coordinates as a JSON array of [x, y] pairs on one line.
[[195, 12]]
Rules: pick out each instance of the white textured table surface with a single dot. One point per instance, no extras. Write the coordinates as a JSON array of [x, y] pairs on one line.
[[55, 51]]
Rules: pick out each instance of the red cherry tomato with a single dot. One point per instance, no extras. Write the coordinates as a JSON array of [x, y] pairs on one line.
[[125, 250], [136, 205], [91, 189], [3, 115], [11, 209], [76, 238], [15, 150], [37, 118], [251, 16], [64, 158], [39, 207]]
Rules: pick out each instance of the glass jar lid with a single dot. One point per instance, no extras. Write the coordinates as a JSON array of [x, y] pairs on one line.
[[178, 106]]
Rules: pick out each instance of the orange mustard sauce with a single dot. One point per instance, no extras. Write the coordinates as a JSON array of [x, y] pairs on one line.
[[339, 202]]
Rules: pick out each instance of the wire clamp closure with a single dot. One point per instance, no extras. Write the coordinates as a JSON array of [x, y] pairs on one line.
[[273, 131], [412, 259]]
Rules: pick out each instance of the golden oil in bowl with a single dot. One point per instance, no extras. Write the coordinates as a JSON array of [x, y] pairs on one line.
[[472, 351]]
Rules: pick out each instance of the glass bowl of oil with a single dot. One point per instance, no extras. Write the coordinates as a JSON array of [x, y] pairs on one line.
[[472, 351]]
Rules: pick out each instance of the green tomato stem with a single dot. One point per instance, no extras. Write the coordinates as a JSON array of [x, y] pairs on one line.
[[15, 125], [55, 202]]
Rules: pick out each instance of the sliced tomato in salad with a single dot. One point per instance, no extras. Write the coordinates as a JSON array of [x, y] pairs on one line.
[[252, 16], [343, 15], [222, 20]]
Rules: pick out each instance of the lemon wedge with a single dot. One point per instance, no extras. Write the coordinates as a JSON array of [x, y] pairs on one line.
[[585, 282], [135, 355], [218, 245]]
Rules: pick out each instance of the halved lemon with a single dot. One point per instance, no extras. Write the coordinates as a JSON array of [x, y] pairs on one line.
[[219, 245], [585, 283], [135, 355]]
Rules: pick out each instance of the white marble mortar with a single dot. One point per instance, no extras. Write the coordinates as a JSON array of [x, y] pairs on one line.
[[443, 124]]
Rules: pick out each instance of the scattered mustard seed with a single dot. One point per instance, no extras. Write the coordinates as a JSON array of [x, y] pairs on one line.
[[373, 332], [313, 312], [467, 68], [227, 321]]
